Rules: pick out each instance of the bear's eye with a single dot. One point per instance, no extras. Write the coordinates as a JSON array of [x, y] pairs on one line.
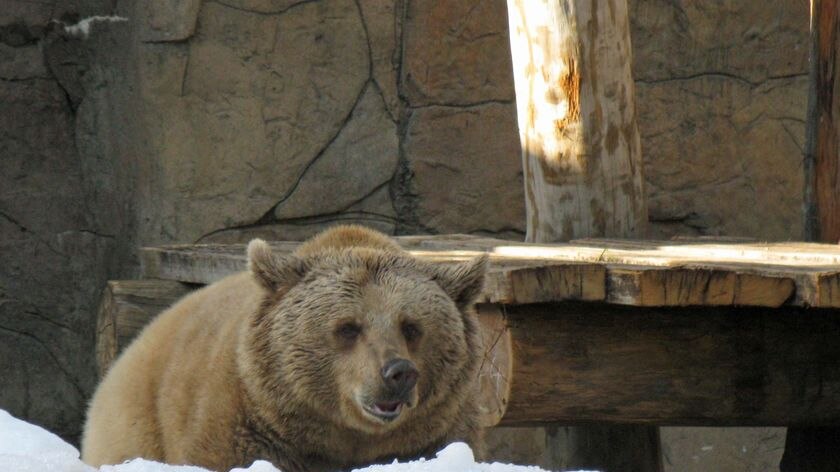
[[411, 331], [348, 331]]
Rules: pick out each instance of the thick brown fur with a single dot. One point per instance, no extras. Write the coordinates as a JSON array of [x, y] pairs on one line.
[[257, 366]]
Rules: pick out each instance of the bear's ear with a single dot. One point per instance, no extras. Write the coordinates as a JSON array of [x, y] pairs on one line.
[[463, 282], [273, 272]]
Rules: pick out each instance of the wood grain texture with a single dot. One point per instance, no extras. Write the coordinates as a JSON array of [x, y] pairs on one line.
[[686, 287], [575, 97], [815, 449], [824, 119], [495, 373], [545, 283], [578, 363], [628, 272], [126, 307]]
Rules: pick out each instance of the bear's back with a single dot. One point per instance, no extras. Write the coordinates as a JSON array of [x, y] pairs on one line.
[[176, 379]]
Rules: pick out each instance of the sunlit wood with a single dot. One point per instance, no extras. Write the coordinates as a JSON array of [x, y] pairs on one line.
[[576, 110], [626, 272]]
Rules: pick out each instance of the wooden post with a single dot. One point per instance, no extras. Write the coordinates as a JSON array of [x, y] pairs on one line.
[[824, 117], [582, 161], [816, 449], [577, 119]]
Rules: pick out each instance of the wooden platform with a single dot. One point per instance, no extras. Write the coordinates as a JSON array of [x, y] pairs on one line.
[[689, 332], [637, 273]]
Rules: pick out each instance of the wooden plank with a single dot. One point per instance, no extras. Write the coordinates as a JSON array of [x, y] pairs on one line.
[[126, 307], [766, 253], [633, 274], [511, 281], [545, 283], [693, 286], [813, 268], [578, 363], [201, 263], [761, 272]]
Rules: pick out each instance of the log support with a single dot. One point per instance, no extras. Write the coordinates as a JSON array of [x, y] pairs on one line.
[[582, 363], [823, 125], [581, 153], [818, 449]]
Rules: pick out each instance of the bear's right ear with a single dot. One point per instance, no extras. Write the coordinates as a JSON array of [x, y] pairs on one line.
[[273, 272], [464, 281]]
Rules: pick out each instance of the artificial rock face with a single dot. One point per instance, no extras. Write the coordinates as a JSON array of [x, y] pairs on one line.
[[345, 353]]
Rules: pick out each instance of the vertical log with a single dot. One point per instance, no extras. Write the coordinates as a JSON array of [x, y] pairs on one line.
[[824, 117], [577, 121], [582, 162], [816, 449]]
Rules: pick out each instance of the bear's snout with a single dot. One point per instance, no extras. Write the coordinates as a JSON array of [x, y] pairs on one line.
[[399, 376]]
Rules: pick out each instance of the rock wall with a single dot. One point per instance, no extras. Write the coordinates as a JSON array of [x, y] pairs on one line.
[[54, 251], [278, 118], [721, 97], [222, 120]]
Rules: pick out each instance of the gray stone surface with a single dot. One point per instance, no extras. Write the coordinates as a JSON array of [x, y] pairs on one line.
[[466, 168], [266, 99], [721, 105], [457, 53], [361, 159], [263, 6], [722, 449], [383, 25], [169, 20], [54, 256]]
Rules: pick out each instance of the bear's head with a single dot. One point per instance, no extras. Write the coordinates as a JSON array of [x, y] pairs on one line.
[[368, 339]]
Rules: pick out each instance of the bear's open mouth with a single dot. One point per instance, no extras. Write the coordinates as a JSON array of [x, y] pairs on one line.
[[385, 410]]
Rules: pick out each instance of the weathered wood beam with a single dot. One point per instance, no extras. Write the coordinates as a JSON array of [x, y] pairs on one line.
[[816, 449], [641, 273], [579, 363], [823, 122], [575, 97]]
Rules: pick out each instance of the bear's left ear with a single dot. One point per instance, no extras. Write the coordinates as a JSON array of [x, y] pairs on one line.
[[463, 282], [272, 271]]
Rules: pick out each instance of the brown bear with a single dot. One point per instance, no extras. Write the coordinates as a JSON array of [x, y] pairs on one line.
[[348, 352]]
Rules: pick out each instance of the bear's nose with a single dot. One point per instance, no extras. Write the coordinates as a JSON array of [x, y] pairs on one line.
[[399, 375]]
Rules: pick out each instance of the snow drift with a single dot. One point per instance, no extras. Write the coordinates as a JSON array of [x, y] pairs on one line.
[[25, 447]]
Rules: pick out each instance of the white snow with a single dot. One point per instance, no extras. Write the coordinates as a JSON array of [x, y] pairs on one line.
[[82, 28], [25, 447], [454, 457]]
